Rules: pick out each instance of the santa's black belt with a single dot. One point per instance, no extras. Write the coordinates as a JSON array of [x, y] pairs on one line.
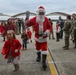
[[39, 34]]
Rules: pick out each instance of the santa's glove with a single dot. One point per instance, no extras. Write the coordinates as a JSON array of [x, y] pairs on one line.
[[16, 50], [27, 14], [46, 33], [40, 38]]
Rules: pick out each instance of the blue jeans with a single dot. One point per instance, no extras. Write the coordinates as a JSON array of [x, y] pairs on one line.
[[24, 44]]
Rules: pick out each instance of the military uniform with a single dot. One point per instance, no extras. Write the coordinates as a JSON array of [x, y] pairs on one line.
[[66, 29], [73, 29], [17, 28]]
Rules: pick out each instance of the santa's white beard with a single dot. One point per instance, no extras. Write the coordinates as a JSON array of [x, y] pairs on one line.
[[40, 18]]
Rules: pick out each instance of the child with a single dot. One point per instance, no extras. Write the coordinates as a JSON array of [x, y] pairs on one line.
[[57, 32], [29, 33], [2, 28], [11, 49], [24, 40]]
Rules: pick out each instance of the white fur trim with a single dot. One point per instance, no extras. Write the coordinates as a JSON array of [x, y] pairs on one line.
[[40, 28], [41, 10], [38, 50], [44, 52], [41, 39]]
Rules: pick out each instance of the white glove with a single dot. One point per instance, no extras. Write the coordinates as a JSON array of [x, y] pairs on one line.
[[46, 33], [16, 51], [27, 14], [40, 38]]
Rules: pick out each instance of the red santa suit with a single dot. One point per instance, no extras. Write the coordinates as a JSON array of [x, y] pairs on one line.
[[41, 28]]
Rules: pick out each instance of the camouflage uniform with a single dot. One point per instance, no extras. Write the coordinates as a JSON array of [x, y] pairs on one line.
[[72, 36], [66, 29], [17, 28], [73, 29]]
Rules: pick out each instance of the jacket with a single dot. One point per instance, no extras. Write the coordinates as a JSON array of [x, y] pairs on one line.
[[14, 45]]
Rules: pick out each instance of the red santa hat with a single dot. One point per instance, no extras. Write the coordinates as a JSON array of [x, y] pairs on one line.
[[41, 9]]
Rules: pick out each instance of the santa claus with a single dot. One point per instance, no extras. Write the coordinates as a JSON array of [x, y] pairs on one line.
[[42, 28]]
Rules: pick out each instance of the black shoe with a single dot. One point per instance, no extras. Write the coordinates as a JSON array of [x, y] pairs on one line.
[[73, 41], [75, 47], [44, 66], [63, 46], [53, 38], [49, 37], [31, 41], [57, 40], [38, 57], [3, 41], [66, 48]]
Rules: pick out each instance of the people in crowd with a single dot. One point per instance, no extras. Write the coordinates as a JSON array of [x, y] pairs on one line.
[[52, 33], [17, 26], [10, 26], [2, 29], [67, 31], [61, 23], [57, 30], [24, 38], [73, 29]]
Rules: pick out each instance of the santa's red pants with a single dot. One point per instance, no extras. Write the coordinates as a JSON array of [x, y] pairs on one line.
[[41, 47]]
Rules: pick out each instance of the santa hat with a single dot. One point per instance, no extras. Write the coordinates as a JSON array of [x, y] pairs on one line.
[[41, 9]]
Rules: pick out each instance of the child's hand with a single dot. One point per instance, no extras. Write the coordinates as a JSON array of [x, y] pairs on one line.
[[16, 51]]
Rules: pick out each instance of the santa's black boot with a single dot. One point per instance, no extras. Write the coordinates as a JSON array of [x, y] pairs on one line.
[[44, 66], [38, 56]]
